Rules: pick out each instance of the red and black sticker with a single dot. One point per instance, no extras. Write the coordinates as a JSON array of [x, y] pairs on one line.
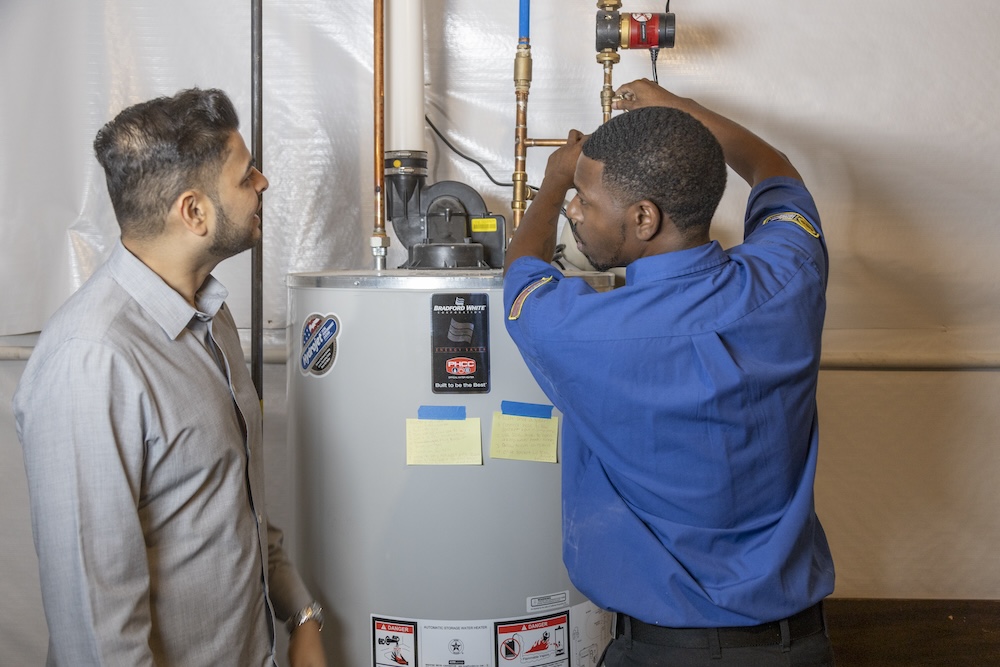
[[394, 642], [542, 641], [460, 343]]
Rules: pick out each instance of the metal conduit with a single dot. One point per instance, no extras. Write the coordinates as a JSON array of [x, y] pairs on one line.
[[257, 253]]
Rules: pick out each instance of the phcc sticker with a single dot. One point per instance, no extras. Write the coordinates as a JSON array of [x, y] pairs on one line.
[[319, 344], [460, 366]]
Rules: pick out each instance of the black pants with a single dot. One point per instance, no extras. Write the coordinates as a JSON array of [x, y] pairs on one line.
[[646, 650]]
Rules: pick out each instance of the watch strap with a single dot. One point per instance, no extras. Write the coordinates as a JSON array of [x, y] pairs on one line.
[[311, 612]]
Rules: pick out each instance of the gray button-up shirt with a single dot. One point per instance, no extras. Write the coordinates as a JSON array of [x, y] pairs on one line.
[[143, 451]]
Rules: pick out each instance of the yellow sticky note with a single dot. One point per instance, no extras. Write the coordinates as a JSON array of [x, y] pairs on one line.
[[443, 442], [524, 438]]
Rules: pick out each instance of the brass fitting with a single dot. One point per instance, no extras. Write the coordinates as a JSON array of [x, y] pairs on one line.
[[522, 68]]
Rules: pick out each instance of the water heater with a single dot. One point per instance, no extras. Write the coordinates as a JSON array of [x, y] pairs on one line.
[[423, 546]]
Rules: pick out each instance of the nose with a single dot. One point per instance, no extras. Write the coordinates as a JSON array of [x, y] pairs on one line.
[[573, 209], [260, 181]]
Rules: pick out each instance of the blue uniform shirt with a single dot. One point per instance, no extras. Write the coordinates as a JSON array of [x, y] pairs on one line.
[[689, 437]]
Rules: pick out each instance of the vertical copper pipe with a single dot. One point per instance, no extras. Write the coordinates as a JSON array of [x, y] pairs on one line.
[[607, 58], [522, 83], [607, 91], [379, 239]]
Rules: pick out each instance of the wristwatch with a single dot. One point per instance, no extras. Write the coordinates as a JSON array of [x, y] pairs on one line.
[[311, 612]]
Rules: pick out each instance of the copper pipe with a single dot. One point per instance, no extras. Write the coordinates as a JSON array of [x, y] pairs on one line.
[[544, 142], [522, 83], [379, 240], [608, 59]]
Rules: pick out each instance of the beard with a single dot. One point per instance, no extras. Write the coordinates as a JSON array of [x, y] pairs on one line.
[[599, 264], [230, 239]]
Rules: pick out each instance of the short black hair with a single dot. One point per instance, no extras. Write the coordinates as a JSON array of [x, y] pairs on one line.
[[155, 150], [666, 156]]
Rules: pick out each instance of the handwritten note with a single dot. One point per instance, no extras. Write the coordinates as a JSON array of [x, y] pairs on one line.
[[443, 442], [524, 438]]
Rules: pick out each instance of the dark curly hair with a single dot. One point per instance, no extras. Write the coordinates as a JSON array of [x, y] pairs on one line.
[[155, 150], [666, 156]]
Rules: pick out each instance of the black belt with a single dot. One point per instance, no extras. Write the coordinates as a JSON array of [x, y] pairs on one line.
[[803, 624]]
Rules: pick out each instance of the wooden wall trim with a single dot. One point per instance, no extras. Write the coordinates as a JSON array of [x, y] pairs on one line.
[[914, 633]]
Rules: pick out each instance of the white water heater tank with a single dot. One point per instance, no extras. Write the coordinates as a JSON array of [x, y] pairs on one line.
[[441, 563]]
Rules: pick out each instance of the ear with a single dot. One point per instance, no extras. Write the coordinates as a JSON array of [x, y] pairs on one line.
[[647, 220], [192, 209]]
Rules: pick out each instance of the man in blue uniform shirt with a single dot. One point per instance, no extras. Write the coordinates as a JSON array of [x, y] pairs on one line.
[[689, 394]]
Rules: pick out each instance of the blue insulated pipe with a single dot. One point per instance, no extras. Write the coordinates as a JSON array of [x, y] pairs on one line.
[[525, 21]]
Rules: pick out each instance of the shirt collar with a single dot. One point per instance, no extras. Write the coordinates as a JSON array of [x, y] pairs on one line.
[[675, 264], [167, 308]]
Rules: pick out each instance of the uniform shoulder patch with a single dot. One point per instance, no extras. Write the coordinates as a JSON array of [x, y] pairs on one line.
[[795, 219], [515, 308]]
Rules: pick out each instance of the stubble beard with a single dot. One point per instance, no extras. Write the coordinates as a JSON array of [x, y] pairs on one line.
[[229, 239]]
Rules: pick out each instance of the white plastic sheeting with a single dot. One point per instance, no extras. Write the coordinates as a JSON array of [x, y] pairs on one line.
[[887, 107], [66, 69]]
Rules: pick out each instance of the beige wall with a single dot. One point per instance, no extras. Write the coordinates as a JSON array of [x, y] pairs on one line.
[[908, 486]]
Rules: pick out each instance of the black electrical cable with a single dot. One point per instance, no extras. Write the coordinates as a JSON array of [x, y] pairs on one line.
[[466, 157], [655, 51], [488, 175]]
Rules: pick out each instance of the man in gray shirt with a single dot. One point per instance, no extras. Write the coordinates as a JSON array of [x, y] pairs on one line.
[[140, 425]]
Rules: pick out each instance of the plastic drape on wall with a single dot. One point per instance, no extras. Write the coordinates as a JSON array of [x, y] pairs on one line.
[[886, 110]]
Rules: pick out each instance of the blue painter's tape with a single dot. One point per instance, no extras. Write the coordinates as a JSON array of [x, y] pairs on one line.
[[452, 412], [526, 409]]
